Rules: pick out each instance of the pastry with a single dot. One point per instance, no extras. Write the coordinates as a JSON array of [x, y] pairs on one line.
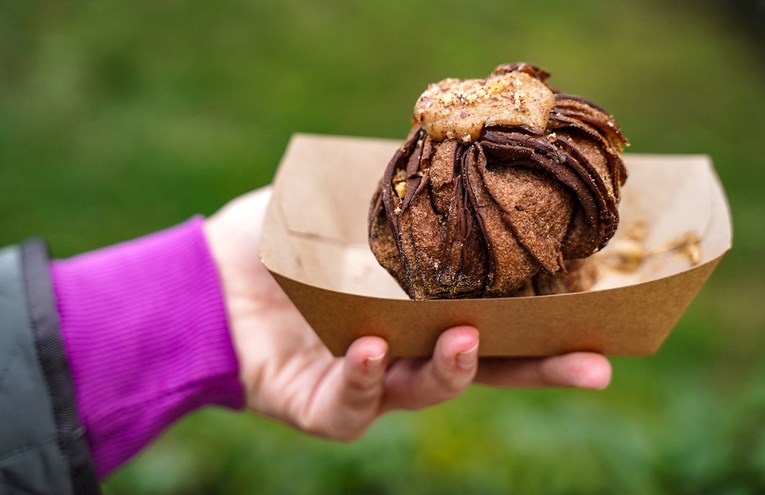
[[502, 183]]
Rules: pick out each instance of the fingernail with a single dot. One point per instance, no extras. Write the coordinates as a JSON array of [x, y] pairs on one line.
[[468, 359], [375, 363]]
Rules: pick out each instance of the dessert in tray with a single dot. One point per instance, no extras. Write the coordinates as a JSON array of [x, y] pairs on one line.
[[505, 186]]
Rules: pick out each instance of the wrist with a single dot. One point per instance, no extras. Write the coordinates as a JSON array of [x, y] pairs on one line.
[[147, 336], [233, 235]]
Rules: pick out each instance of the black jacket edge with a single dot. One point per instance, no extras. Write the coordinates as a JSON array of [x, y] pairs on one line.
[[50, 350]]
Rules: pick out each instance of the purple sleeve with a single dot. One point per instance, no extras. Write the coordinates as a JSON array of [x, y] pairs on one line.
[[147, 337]]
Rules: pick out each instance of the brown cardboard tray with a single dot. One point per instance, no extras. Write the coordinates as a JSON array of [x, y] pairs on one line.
[[315, 245]]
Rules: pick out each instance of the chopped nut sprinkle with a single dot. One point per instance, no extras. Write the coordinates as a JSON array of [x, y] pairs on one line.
[[460, 109]]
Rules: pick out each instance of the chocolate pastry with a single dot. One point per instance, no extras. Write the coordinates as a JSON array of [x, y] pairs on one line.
[[579, 276], [501, 182]]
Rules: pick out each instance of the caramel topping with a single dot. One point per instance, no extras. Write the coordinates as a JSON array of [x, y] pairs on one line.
[[460, 109]]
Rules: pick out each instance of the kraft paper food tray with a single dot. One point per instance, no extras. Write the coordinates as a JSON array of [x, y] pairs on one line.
[[315, 245]]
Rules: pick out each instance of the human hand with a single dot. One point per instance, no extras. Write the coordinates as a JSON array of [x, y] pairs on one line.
[[290, 375]]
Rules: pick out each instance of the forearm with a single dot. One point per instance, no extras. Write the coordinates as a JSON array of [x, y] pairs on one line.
[[146, 332]]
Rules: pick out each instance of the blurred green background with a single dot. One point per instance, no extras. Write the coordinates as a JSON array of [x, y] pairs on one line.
[[119, 118]]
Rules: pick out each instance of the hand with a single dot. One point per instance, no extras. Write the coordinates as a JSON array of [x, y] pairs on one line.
[[289, 374]]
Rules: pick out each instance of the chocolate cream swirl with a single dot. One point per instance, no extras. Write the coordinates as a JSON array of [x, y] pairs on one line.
[[501, 181]]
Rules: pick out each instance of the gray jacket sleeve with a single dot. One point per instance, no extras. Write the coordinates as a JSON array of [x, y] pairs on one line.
[[43, 448]]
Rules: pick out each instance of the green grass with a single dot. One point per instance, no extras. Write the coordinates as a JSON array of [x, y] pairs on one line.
[[120, 118]]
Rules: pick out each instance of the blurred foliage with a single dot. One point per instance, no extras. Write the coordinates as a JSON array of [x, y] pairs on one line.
[[119, 118]]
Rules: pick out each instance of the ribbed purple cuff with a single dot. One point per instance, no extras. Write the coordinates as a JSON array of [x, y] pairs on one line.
[[146, 333]]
